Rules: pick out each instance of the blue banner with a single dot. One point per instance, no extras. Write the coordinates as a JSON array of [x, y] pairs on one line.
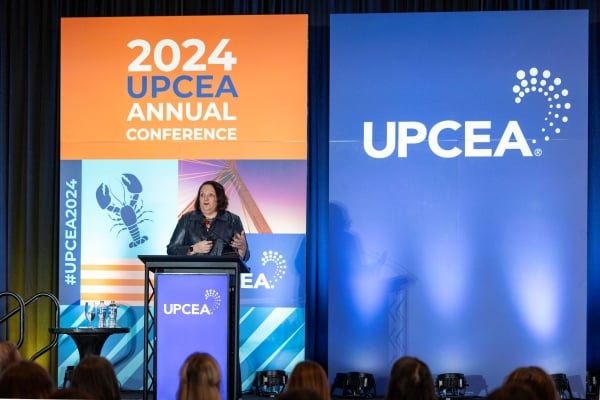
[[458, 192]]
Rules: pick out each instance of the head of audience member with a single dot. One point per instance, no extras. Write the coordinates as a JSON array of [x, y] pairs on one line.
[[26, 380], [96, 376], [513, 391], [537, 379], [300, 393], [410, 379], [309, 374], [9, 355], [70, 393], [199, 378]]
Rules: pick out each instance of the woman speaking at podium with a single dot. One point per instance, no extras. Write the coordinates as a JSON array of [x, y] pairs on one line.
[[209, 229]]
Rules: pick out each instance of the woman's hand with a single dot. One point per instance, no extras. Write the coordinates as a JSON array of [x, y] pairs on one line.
[[239, 242], [202, 247]]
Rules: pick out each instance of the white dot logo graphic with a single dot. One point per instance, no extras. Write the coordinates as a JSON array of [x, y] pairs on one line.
[[277, 262], [213, 300], [555, 94]]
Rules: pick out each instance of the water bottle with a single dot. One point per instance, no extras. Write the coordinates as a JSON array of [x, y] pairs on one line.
[[112, 314], [101, 314]]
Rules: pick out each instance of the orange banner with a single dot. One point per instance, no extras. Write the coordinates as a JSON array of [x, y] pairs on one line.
[[198, 87]]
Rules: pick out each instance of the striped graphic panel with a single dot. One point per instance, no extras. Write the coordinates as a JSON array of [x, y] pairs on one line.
[[270, 338], [121, 282]]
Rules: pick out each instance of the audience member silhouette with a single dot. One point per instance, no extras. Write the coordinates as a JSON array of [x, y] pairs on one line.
[[199, 378], [300, 393], [96, 376], [410, 379], [537, 379], [26, 380], [513, 391], [309, 374], [70, 393], [9, 355]]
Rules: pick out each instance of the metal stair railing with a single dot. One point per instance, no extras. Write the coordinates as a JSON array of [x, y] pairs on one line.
[[21, 310]]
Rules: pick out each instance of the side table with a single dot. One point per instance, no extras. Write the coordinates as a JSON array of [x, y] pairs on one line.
[[88, 340]]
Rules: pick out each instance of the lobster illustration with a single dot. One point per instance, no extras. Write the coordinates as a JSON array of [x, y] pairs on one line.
[[127, 211]]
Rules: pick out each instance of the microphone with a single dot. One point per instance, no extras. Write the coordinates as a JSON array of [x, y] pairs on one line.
[[228, 249]]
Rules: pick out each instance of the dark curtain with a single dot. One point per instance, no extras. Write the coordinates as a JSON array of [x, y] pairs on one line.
[[29, 147]]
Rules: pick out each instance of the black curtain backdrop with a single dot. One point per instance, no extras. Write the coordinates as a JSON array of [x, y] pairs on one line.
[[30, 125]]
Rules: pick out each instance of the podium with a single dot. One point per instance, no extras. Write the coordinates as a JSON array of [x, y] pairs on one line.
[[191, 304]]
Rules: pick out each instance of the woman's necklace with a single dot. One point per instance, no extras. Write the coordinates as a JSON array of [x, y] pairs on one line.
[[208, 222]]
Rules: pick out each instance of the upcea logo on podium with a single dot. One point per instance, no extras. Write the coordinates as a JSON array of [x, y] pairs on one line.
[[274, 268], [212, 302], [473, 138]]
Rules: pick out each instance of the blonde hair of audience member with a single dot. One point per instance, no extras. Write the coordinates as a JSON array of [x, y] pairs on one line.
[[410, 379], [96, 376], [26, 380], [513, 391], [199, 378], [537, 379], [9, 355], [309, 374]]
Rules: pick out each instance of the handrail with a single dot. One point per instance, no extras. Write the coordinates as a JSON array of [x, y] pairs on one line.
[[20, 309], [56, 318]]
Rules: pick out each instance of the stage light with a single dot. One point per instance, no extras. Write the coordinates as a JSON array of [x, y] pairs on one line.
[[270, 383], [562, 386], [451, 385], [354, 385]]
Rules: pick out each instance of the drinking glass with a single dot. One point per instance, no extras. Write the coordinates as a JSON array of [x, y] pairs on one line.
[[90, 312]]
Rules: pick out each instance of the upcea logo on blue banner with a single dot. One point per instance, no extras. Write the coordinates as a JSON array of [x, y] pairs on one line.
[[276, 275], [476, 136], [408, 88], [458, 162]]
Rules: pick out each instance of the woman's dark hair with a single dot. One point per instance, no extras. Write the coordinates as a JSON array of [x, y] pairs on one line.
[[537, 379], [410, 379], [96, 376], [513, 391], [26, 380], [222, 200], [70, 393], [9, 355], [301, 393]]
